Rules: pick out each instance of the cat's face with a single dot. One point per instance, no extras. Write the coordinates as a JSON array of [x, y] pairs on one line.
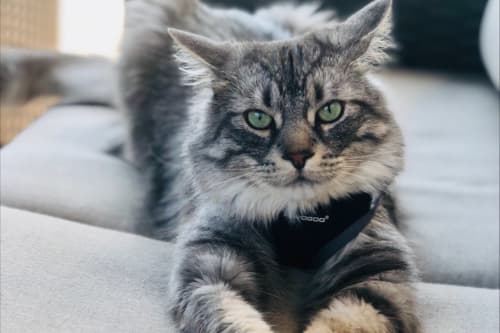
[[287, 125]]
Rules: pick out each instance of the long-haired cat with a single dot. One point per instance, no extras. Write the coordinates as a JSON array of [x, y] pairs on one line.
[[262, 140]]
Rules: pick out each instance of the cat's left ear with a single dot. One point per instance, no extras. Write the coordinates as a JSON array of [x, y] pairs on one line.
[[366, 36], [370, 33]]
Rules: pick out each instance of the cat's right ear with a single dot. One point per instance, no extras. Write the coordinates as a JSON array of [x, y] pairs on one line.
[[210, 53]]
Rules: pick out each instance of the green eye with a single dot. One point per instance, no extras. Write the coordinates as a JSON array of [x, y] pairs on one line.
[[331, 112], [258, 119]]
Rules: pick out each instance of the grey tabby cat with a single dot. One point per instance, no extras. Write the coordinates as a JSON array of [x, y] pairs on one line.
[[251, 119]]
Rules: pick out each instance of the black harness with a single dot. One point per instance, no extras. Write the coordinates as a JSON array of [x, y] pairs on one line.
[[308, 240]]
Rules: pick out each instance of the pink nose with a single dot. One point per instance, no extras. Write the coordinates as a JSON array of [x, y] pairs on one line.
[[298, 159]]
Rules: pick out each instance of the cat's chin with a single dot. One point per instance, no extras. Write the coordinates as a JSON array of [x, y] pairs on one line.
[[300, 181], [265, 202]]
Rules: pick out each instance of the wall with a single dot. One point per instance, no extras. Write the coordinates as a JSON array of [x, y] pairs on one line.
[[90, 26]]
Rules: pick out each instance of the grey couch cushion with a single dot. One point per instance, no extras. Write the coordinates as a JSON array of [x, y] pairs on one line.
[[62, 166], [449, 193], [59, 276]]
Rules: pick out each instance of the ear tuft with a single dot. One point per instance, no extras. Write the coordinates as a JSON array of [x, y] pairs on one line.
[[370, 17], [200, 58], [211, 53], [370, 29]]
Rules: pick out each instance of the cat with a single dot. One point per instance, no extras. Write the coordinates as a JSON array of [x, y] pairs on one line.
[[246, 127]]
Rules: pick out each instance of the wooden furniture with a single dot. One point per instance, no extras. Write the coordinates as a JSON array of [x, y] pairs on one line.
[[26, 24]]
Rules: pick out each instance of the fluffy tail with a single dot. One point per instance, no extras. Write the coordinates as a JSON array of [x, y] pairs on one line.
[[26, 74]]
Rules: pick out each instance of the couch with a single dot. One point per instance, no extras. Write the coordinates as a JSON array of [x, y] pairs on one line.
[[74, 257]]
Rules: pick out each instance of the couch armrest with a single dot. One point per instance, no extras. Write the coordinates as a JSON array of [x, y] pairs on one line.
[[63, 166], [59, 276]]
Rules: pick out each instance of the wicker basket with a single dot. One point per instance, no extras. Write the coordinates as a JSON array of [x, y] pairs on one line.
[[26, 24]]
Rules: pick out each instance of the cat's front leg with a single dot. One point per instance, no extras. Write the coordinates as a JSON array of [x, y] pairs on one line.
[[367, 289], [214, 288], [367, 308]]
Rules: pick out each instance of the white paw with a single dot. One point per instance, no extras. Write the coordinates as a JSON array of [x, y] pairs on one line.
[[349, 315], [241, 316]]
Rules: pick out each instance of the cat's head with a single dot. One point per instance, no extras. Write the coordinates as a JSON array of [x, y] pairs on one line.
[[285, 125]]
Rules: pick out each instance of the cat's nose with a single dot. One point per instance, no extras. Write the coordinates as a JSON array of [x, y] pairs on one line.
[[298, 159]]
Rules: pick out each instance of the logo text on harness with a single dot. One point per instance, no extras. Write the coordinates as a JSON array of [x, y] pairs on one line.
[[314, 219]]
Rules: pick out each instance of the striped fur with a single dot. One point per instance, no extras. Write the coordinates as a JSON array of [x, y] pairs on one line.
[[216, 183]]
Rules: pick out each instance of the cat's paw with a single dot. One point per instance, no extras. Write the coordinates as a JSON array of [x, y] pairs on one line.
[[216, 308], [349, 315], [240, 316]]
